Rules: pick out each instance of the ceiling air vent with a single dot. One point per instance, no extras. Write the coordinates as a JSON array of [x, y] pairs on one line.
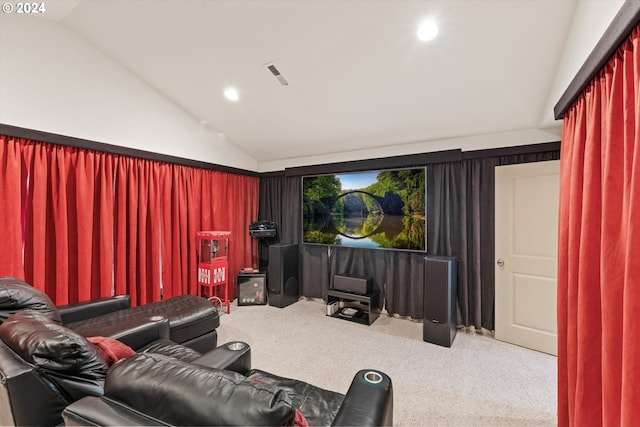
[[276, 73]]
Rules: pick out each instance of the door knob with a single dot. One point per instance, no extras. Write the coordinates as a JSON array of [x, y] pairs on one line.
[[500, 263]]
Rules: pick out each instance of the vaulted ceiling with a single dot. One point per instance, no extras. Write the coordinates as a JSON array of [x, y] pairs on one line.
[[358, 77]]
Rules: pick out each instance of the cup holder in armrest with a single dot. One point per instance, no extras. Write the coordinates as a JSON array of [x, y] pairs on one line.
[[233, 356], [236, 346], [372, 377]]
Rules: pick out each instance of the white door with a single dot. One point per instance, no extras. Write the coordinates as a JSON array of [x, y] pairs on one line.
[[527, 254]]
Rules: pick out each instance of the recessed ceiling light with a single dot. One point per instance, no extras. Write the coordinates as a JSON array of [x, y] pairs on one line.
[[231, 94], [428, 30]]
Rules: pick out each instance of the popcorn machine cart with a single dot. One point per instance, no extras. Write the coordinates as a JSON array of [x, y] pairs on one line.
[[213, 266]]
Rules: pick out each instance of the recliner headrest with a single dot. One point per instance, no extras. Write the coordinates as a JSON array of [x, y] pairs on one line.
[[16, 295], [58, 353]]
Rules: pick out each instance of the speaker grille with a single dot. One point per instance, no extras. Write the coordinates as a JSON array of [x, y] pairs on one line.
[[283, 274]]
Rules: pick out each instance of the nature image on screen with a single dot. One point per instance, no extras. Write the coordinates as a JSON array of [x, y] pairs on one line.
[[379, 209]]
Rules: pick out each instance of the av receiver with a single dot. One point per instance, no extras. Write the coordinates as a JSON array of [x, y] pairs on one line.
[[262, 229]]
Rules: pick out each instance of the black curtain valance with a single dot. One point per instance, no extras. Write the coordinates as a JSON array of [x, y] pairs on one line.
[[86, 144], [406, 161]]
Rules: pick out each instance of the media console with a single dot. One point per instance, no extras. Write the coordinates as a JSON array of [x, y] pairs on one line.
[[363, 309]]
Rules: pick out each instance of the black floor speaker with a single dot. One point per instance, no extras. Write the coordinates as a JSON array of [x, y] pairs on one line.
[[440, 290], [283, 275]]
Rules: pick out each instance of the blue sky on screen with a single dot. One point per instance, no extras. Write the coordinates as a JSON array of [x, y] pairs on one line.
[[354, 181]]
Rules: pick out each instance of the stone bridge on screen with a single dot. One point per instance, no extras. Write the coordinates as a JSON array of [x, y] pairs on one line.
[[379, 200]]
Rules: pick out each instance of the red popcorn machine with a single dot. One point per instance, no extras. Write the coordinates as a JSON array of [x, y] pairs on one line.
[[213, 268]]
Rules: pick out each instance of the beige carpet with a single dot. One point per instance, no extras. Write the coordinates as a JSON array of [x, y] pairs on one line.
[[479, 381]]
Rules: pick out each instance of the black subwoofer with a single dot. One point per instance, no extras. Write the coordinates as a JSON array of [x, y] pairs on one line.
[[440, 290], [283, 275]]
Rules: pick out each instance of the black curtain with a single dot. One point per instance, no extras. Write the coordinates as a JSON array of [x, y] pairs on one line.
[[314, 271], [397, 274], [476, 268], [476, 273], [460, 223], [280, 202]]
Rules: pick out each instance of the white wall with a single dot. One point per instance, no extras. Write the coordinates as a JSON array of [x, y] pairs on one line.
[[590, 21], [53, 81]]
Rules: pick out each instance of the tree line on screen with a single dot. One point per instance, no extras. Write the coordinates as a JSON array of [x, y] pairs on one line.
[[398, 192]]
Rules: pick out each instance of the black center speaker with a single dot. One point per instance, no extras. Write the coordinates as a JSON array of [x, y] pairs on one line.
[[283, 275], [440, 300], [352, 284]]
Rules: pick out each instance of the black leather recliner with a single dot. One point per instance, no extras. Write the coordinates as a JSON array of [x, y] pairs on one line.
[[45, 366], [151, 389], [192, 320]]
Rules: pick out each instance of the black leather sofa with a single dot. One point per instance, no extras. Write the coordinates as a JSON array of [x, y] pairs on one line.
[[45, 366], [192, 320], [152, 389]]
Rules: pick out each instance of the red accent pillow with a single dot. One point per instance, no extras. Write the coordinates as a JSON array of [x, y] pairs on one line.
[[300, 420], [111, 350]]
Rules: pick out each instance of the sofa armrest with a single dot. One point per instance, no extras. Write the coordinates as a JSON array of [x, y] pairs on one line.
[[102, 411], [136, 333], [368, 402], [78, 311], [232, 356]]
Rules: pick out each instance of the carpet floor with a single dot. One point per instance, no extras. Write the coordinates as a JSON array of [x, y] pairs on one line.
[[478, 381]]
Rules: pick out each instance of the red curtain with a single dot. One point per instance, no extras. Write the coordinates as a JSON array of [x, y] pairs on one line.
[[198, 200], [91, 225], [68, 224], [599, 249], [242, 209], [94, 224], [181, 189], [137, 229], [195, 195], [229, 203], [12, 192], [46, 246]]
